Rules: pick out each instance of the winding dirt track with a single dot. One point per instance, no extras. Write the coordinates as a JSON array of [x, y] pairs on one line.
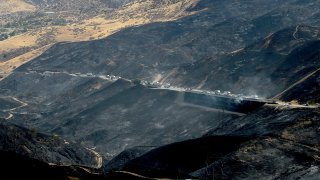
[[295, 84], [98, 158], [23, 104]]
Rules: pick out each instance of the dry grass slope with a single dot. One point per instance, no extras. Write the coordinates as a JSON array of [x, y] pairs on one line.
[[12, 6], [133, 14]]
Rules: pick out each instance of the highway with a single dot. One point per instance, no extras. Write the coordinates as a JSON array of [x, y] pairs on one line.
[[180, 100]]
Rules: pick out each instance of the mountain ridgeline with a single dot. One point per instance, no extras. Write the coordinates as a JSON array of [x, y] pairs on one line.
[[155, 52], [123, 106]]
